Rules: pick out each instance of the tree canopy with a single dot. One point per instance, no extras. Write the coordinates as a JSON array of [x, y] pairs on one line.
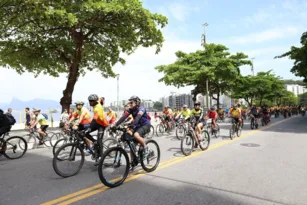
[[214, 63], [299, 55], [53, 37]]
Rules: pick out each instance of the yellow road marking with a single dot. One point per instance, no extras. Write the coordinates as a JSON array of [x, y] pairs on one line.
[[85, 193]]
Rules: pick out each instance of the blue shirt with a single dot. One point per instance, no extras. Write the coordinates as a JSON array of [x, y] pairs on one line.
[[144, 119]]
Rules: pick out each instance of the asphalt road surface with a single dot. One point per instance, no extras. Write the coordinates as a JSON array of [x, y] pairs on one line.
[[266, 166]]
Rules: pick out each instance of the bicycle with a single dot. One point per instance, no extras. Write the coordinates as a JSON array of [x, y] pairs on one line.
[[214, 132], [14, 144], [113, 158], [79, 143], [234, 128], [190, 139], [254, 122], [33, 136], [180, 128]]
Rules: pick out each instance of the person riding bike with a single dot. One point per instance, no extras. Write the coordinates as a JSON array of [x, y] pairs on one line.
[[99, 121], [265, 111], [40, 119], [235, 112], [185, 112], [168, 116], [112, 116], [197, 113], [83, 114], [212, 114], [141, 124], [4, 123]]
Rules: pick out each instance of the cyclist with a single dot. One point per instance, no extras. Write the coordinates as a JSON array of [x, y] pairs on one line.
[[40, 119], [185, 112], [197, 112], [4, 123], [212, 114], [168, 116], [112, 116], [141, 125], [265, 111], [235, 112], [83, 114], [99, 121]]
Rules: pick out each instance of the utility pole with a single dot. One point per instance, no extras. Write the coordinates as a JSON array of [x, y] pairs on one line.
[[252, 68], [207, 82], [117, 75]]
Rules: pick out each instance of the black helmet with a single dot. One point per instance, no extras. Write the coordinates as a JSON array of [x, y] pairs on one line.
[[197, 103], [212, 108], [93, 97], [136, 99], [79, 103]]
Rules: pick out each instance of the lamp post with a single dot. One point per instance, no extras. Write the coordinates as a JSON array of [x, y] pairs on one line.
[[117, 75], [207, 82], [252, 68]]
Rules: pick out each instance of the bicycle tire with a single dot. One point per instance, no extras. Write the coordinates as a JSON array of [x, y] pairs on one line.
[[55, 159], [186, 139], [158, 157], [184, 132], [30, 138], [252, 124], [217, 131], [159, 128], [238, 131], [208, 140], [151, 132], [111, 141], [55, 147], [54, 138], [104, 156], [19, 139]]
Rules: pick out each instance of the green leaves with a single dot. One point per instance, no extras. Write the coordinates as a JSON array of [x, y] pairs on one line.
[[299, 55], [214, 63], [43, 36]]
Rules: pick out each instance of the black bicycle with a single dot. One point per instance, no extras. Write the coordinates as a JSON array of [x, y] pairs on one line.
[[116, 159], [234, 128], [73, 153], [13, 147]]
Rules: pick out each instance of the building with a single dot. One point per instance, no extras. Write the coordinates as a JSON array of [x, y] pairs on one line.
[[296, 89], [177, 100]]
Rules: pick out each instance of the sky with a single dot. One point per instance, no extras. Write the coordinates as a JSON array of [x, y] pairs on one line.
[[260, 28]]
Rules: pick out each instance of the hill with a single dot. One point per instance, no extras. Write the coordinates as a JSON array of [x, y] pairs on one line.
[[43, 104]]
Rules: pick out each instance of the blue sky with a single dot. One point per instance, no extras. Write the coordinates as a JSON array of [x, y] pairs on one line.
[[261, 29]]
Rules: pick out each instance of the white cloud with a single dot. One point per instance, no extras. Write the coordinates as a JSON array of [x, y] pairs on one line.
[[266, 35], [179, 11]]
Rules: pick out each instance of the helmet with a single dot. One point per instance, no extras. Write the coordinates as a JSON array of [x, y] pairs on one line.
[[136, 99], [239, 104], [185, 106], [93, 97], [197, 103], [212, 108], [79, 103]]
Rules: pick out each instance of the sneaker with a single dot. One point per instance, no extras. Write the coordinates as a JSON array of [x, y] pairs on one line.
[[90, 150]]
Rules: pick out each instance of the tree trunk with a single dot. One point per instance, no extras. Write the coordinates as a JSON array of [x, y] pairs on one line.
[[218, 101], [66, 100], [261, 101]]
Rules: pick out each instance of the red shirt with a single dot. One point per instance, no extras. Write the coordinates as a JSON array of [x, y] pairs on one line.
[[212, 114]]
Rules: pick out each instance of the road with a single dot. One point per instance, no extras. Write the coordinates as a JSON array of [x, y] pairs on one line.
[[266, 166]]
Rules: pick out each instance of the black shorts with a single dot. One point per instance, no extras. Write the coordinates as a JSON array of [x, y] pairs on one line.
[[167, 118], [143, 130], [44, 127]]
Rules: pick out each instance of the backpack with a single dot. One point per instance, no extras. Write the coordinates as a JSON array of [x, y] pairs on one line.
[[11, 119], [45, 115]]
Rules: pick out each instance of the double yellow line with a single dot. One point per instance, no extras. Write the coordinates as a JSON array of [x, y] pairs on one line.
[[85, 193]]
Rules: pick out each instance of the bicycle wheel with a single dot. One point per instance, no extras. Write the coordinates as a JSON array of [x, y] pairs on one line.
[[109, 143], [71, 153], [160, 130], [180, 132], [238, 131], [151, 162], [12, 147], [54, 138], [108, 165], [151, 133], [187, 141], [205, 142], [59, 144], [47, 140], [216, 133], [252, 124], [231, 131], [31, 141]]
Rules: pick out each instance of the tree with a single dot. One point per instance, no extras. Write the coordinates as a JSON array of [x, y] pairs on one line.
[[214, 63], [303, 99], [289, 98], [263, 86], [299, 55], [53, 37], [158, 106]]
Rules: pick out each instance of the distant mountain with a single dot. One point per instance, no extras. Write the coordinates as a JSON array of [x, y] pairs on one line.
[[43, 104]]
